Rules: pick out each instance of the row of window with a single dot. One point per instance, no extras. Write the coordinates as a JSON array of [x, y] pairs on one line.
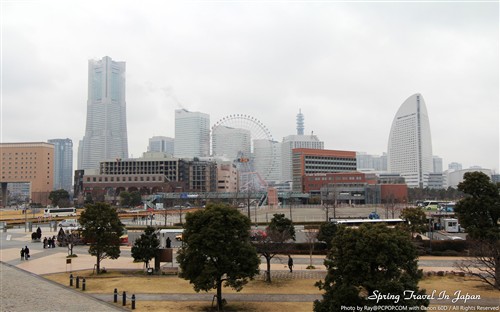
[[123, 179], [341, 178]]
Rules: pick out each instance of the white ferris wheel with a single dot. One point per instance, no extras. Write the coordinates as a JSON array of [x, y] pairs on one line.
[[249, 144]]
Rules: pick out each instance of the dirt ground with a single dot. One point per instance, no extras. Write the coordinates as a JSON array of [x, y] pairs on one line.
[[137, 282]]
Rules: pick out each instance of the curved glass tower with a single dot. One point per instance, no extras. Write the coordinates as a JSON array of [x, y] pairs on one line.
[[409, 150]]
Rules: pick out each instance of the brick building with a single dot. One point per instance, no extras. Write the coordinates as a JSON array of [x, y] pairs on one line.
[[310, 161]]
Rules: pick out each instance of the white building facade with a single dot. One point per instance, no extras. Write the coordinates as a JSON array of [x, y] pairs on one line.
[[231, 143], [192, 134], [409, 150]]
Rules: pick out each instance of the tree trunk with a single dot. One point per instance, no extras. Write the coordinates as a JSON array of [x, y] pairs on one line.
[[311, 255], [268, 271], [219, 295], [98, 264]]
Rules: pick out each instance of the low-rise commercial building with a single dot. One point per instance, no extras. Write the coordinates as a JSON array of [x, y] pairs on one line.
[[32, 163]]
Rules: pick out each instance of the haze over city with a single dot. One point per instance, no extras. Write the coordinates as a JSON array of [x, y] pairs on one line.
[[347, 66]]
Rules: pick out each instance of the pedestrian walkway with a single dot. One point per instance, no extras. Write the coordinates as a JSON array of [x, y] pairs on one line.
[[23, 291]]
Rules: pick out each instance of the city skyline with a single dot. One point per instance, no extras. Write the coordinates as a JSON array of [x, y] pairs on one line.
[[346, 66]]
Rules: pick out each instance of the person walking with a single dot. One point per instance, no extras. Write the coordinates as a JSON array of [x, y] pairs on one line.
[[22, 253], [290, 263], [26, 252]]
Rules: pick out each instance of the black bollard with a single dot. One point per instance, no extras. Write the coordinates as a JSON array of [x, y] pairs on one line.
[[71, 280], [83, 284], [115, 296], [133, 302], [124, 299], [78, 282]]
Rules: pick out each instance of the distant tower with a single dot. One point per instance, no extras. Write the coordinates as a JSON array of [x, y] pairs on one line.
[[454, 166], [296, 141], [63, 164], [410, 147], [300, 123], [192, 134], [161, 144], [106, 130]]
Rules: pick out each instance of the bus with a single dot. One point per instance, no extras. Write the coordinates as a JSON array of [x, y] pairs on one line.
[[358, 222], [447, 207], [430, 204], [59, 212]]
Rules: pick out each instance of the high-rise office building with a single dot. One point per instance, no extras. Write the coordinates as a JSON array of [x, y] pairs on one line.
[[161, 144], [266, 160], [63, 164], [437, 163], [192, 134], [366, 162], [231, 143], [409, 150], [454, 166], [106, 129], [296, 141]]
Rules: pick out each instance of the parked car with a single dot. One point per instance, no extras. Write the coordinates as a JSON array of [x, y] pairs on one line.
[[69, 223]]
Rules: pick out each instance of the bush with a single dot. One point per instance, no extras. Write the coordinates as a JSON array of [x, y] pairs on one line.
[[458, 246], [303, 248]]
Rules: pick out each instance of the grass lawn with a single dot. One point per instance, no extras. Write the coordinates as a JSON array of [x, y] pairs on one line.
[[137, 282]]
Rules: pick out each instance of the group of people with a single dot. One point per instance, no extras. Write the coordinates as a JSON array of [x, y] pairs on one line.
[[50, 242], [25, 253]]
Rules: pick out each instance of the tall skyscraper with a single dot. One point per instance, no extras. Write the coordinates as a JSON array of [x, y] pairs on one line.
[[106, 129], [409, 150], [192, 134], [161, 144], [63, 164], [296, 141]]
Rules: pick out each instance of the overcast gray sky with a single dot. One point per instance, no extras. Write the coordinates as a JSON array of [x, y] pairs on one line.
[[348, 66]]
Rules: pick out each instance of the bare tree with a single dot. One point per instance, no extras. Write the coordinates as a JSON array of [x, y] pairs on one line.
[[484, 263], [311, 239], [329, 200]]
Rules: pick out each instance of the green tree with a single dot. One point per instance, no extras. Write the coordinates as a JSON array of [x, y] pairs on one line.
[[146, 247], [479, 213], [326, 233], [102, 229], [59, 198], [279, 231], [125, 199], [135, 198], [370, 261], [281, 228], [416, 220], [216, 250]]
